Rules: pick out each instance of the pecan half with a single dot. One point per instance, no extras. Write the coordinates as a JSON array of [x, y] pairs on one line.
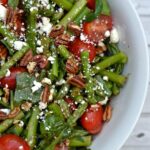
[[72, 65], [74, 28], [26, 106], [3, 52], [41, 60], [26, 59], [77, 81], [14, 112], [6, 95], [45, 94], [15, 19], [63, 39], [107, 113], [57, 31]]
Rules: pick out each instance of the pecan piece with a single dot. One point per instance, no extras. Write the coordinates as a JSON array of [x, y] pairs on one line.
[[26, 59], [14, 112], [15, 19], [3, 52], [63, 39], [26, 106], [77, 81], [41, 61], [6, 95], [45, 94], [57, 31], [74, 28], [107, 113], [72, 66], [3, 115]]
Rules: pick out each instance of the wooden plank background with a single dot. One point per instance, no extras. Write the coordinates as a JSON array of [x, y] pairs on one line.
[[140, 137]]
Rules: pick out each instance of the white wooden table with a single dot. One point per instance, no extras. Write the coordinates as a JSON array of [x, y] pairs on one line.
[[140, 137]]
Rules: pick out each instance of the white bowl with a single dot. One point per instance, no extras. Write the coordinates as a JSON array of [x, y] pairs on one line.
[[128, 105]]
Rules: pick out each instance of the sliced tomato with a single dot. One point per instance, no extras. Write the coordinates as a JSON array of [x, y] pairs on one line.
[[96, 29], [91, 4], [61, 146], [77, 46], [10, 81], [4, 2], [13, 142], [71, 103], [92, 119]]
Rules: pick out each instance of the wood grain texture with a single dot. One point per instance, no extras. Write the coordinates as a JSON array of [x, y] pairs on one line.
[[140, 137]]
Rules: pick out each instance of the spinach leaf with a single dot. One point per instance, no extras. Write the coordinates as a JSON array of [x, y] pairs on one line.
[[13, 3], [23, 90]]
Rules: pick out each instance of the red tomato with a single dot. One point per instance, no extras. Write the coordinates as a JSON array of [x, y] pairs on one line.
[[77, 46], [61, 146], [91, 4], [71, 103], [10, 81], [92, 119], [4, 2], [96, 29], [13, 142]]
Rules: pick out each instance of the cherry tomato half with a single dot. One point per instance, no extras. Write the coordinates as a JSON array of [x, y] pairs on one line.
[[91, 4], [13, 142], [77, 46], [71, 103], [4, 2], [61, 146], [96, 29], [92, 119], [10, 81]]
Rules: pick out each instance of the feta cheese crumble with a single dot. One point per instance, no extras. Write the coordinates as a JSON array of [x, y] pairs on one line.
[[7, 73], [46, 81], [18, 45], [45, 26], [105, 78], [37, 86], [39, 50], [42, 105], [114, 36]]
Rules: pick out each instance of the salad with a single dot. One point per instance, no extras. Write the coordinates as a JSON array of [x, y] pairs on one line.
[[60, 67]]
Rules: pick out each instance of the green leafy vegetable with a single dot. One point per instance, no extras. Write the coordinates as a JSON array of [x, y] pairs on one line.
[[23, 90], [13, 3], [93, 15]]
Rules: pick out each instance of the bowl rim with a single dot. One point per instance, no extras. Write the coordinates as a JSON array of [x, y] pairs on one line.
[[146, 77]]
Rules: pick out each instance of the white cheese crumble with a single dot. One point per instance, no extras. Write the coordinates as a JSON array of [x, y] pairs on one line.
[[45, 26], [3, 12], [37, 86], [107, 33], [42, 105], [33, 8], [8, 73], [18, 45], [114, 36], [46, 81], [105, 78], [39, 50], [51, 59], [62, 81], [39, 43], [7, 111]]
